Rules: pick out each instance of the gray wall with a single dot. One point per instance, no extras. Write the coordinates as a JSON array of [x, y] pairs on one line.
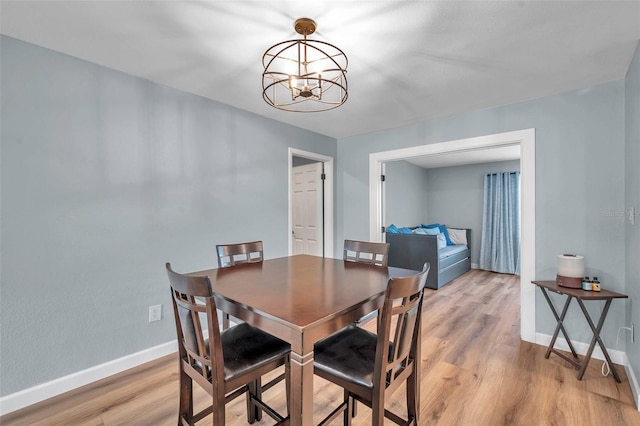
[[455, 195], [405, 194], [580, 150], [104, 178], [632, 195], [448, 195]]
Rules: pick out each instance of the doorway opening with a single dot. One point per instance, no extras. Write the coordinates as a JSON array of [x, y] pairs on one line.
[[302, 158], [526, 140]]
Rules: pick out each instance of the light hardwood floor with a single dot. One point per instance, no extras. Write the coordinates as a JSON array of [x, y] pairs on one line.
[[475, 371]]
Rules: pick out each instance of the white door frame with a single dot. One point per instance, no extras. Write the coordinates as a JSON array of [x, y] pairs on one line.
[[328, 197], [526, 139]]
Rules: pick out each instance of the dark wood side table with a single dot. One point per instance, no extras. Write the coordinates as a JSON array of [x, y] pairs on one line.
[[580, 295]]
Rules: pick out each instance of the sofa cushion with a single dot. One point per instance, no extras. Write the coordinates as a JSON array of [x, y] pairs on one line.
[[458, 236]]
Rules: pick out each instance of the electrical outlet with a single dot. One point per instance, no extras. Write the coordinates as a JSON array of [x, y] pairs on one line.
[[155, 313]]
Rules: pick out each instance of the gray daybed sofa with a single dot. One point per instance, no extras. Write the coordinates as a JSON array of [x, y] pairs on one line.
[[411, 251]]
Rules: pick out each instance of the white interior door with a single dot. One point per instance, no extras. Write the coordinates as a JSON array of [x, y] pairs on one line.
[[307, 209]]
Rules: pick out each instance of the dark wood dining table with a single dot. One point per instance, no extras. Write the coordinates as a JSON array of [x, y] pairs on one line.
[[301, 299]]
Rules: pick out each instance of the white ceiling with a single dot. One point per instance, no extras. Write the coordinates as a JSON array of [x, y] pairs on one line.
[[409, 61], [472, 156]]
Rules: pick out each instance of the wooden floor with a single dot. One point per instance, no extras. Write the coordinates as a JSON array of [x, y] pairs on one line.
[[475, 371]]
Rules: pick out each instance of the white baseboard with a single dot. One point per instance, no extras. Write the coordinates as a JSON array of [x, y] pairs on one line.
[[26, 397], [618, 357], [633, 382]]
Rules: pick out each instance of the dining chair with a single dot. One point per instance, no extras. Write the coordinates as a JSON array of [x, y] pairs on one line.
[[366, 252], [226, 364], [371, 367], [236, 254]]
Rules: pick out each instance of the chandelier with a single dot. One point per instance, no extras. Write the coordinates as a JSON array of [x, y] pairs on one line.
[[304, 75]]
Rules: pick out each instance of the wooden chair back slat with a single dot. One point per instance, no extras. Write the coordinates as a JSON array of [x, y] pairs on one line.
[[235, 254], [366, 252]]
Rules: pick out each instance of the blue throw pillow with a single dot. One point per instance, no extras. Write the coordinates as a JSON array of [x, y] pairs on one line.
[[405, 231], [431, 231], [433, 225], [392, 229], [443, 229]]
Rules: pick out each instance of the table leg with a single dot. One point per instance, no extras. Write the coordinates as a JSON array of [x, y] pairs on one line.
[[596, 338], [301, 398], [559, 326]]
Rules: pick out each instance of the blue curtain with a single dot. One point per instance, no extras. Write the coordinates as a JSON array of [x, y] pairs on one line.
[[500, 242]]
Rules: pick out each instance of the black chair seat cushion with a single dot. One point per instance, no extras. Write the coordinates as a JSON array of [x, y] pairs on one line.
[[349, 355], [246, 348]]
